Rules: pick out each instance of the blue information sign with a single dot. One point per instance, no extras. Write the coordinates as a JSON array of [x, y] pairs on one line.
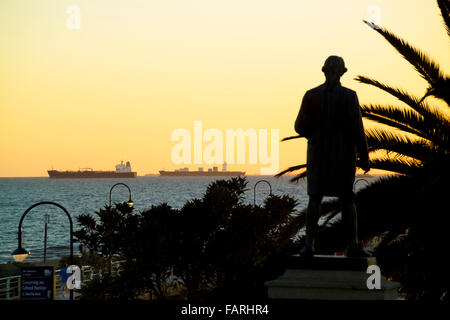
[[37, 283]]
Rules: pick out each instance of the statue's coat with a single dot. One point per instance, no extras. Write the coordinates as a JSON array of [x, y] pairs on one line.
[[330, 118]]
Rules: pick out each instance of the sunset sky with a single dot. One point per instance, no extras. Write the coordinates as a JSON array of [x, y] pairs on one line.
[[137, 70]]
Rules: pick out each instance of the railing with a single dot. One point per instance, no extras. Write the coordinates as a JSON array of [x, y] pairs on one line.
[[9, 286], [358, 181]]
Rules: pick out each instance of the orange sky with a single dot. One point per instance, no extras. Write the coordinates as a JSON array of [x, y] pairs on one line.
[[137, 70]]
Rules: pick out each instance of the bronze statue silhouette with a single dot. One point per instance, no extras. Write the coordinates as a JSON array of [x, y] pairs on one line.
[[330, 118]]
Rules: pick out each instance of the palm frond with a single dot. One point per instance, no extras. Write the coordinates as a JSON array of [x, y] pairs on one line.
[[408, 121], [290, 138], [444, 5], [402, 145], [290, 169], [440, 90], [299, 176], [398, 165], [433, 117], [427, 68], [332, 215], [403, 119]]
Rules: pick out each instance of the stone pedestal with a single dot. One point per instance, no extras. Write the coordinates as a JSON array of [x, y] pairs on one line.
[[329, 278]]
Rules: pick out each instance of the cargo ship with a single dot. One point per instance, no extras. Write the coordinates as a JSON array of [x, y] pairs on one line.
[[122, 171], [211, 172]]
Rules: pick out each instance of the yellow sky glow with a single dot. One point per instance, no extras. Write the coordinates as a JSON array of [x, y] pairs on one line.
[[137, 70]]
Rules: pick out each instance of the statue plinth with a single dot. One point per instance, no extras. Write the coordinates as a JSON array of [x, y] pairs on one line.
[[329, 278], [324, 262]]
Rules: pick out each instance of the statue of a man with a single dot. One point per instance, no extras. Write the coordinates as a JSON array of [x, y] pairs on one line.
[[330, 118]]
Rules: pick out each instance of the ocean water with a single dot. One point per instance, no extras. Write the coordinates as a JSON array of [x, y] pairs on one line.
[[88, 195]]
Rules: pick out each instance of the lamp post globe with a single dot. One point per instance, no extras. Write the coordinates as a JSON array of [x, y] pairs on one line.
[[20, 254], [130, 202]]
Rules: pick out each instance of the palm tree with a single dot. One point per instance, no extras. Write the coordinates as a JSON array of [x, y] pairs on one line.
[[407, 213]]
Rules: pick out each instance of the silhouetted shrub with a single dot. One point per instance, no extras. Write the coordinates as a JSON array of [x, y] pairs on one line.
[[207, 249]]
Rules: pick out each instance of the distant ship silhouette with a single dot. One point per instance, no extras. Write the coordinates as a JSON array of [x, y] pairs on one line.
[[122, 171], [184, 172]]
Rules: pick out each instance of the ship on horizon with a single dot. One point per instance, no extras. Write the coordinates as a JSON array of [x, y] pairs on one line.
[[122, 171], [212, 172]]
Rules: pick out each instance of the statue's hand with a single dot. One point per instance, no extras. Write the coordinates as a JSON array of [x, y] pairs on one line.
[[364, 165]]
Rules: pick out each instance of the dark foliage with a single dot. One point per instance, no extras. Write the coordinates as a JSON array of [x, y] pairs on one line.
[[212, 247]]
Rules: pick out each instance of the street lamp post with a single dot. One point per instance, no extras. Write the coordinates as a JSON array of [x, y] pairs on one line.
[[20, 253], [254, 190], [130, 202], [46, 221]]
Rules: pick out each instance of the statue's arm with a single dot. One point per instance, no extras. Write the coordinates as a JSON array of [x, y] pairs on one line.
[[361, 140], [303, 121]]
